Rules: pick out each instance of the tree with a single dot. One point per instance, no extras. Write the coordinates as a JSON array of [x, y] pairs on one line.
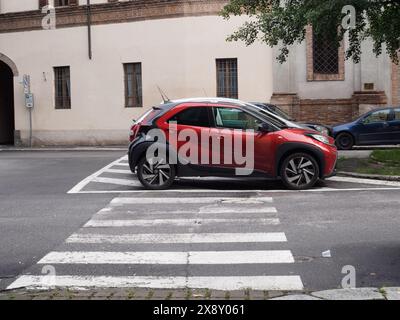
[[283, 22]]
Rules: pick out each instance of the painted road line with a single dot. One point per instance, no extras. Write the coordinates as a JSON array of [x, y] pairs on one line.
[[238, 209], [121, 182], [365, 181], [195, 257], [122, 201], [87, 180], [123, 164], [270, 283], [203, 211], [179, 238], [178, 222], [119, 171]]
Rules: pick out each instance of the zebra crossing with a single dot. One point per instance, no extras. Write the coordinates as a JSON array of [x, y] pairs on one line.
[[173, 243]]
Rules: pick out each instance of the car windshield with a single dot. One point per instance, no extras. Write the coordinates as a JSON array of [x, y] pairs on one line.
[[272, 118]]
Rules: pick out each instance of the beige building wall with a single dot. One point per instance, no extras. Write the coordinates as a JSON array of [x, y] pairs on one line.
[[177, 54]]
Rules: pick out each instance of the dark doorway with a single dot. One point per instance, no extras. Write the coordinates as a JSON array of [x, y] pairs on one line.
[[6, 104]]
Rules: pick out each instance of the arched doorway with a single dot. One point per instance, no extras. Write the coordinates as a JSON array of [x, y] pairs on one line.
[[7, 121]]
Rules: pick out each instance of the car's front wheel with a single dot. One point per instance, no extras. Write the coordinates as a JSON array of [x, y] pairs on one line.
[[155, 174], [345, 141], [299, 171]]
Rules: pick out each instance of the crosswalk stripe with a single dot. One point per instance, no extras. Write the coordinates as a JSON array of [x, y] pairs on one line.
[[122, 182], [125, 164], [177, 222], [270, 283], [191, 258], [228, 200], [202, 210], [118, 171], [179, 238]]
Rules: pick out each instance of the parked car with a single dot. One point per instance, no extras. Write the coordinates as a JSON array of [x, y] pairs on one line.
[[379, 126], [278, 111], [297, 156]]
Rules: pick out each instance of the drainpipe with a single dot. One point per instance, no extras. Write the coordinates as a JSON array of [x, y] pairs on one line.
[[89, 27]]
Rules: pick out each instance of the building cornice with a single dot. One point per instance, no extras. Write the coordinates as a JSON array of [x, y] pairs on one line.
[[112, 12]]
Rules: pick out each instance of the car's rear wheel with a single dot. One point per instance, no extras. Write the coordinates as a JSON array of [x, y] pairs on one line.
[[155, 174], [345, 141], [299, 171]]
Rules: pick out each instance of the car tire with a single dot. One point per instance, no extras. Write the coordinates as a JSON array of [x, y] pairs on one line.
[[299, 171], [344, 141], [155, 175]]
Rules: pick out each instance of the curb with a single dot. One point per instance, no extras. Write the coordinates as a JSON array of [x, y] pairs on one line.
[[388, 147], [388, 293], [368, 176]]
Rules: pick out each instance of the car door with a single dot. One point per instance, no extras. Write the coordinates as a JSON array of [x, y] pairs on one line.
[[394, 124], [375, 128], [231, 125], [185, 131]]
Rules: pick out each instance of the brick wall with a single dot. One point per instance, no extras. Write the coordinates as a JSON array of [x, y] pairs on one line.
[[329, 111]]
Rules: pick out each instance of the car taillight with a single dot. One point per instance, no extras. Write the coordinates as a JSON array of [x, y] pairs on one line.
[[133, 132]]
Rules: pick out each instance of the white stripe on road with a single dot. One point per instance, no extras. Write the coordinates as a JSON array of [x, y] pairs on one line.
[[179, 238], [178, 258], [270, 283], [177, 222], [119, 171], [125, 164], [121, 182], [88, 179], [121, 201], [203, 210], [365, 181]]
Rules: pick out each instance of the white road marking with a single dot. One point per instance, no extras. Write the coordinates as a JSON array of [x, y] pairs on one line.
[[88, 179], [177, 222], [119, 171], [366, 181], [284, 283], [178, 258], [179, 238], [121, 182], [124, 164], [206, 210], [122, 201]]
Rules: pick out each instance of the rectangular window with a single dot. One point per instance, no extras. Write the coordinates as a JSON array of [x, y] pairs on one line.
[[227, 78], [325, 55], [133, 85], [62, 84]]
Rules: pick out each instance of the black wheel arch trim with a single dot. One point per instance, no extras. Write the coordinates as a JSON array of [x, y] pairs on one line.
[[297, 147]]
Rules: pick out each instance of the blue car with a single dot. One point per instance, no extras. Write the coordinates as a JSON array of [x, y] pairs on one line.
[[379, 126]]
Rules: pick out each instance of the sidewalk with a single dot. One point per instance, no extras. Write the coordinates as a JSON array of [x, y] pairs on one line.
[[205, 294]]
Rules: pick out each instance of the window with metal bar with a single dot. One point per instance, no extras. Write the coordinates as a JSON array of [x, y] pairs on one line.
[[325, 56], [133, 85], [62, 83], [227, 78]]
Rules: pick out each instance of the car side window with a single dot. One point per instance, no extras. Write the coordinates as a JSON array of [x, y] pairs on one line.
[[397, 114], [233, 118], [195, 116], [377, 116]]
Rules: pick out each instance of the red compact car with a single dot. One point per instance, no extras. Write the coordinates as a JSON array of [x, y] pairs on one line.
[[226, 138]]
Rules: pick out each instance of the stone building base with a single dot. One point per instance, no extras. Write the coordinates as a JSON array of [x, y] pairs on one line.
[[329, 111]]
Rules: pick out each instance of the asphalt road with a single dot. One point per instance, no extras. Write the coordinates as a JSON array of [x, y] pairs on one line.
[[267, 236]]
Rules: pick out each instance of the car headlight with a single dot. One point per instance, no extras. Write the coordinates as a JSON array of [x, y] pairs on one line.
[[320, 138], [322, 129]]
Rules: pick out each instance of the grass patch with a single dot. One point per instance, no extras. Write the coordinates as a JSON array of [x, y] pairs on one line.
[[387, 156], [381, 162]]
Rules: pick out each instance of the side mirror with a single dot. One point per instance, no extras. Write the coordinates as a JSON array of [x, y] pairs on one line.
[[264, 128]]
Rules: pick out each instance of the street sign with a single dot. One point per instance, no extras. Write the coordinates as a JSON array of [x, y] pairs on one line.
[[29, 103]]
